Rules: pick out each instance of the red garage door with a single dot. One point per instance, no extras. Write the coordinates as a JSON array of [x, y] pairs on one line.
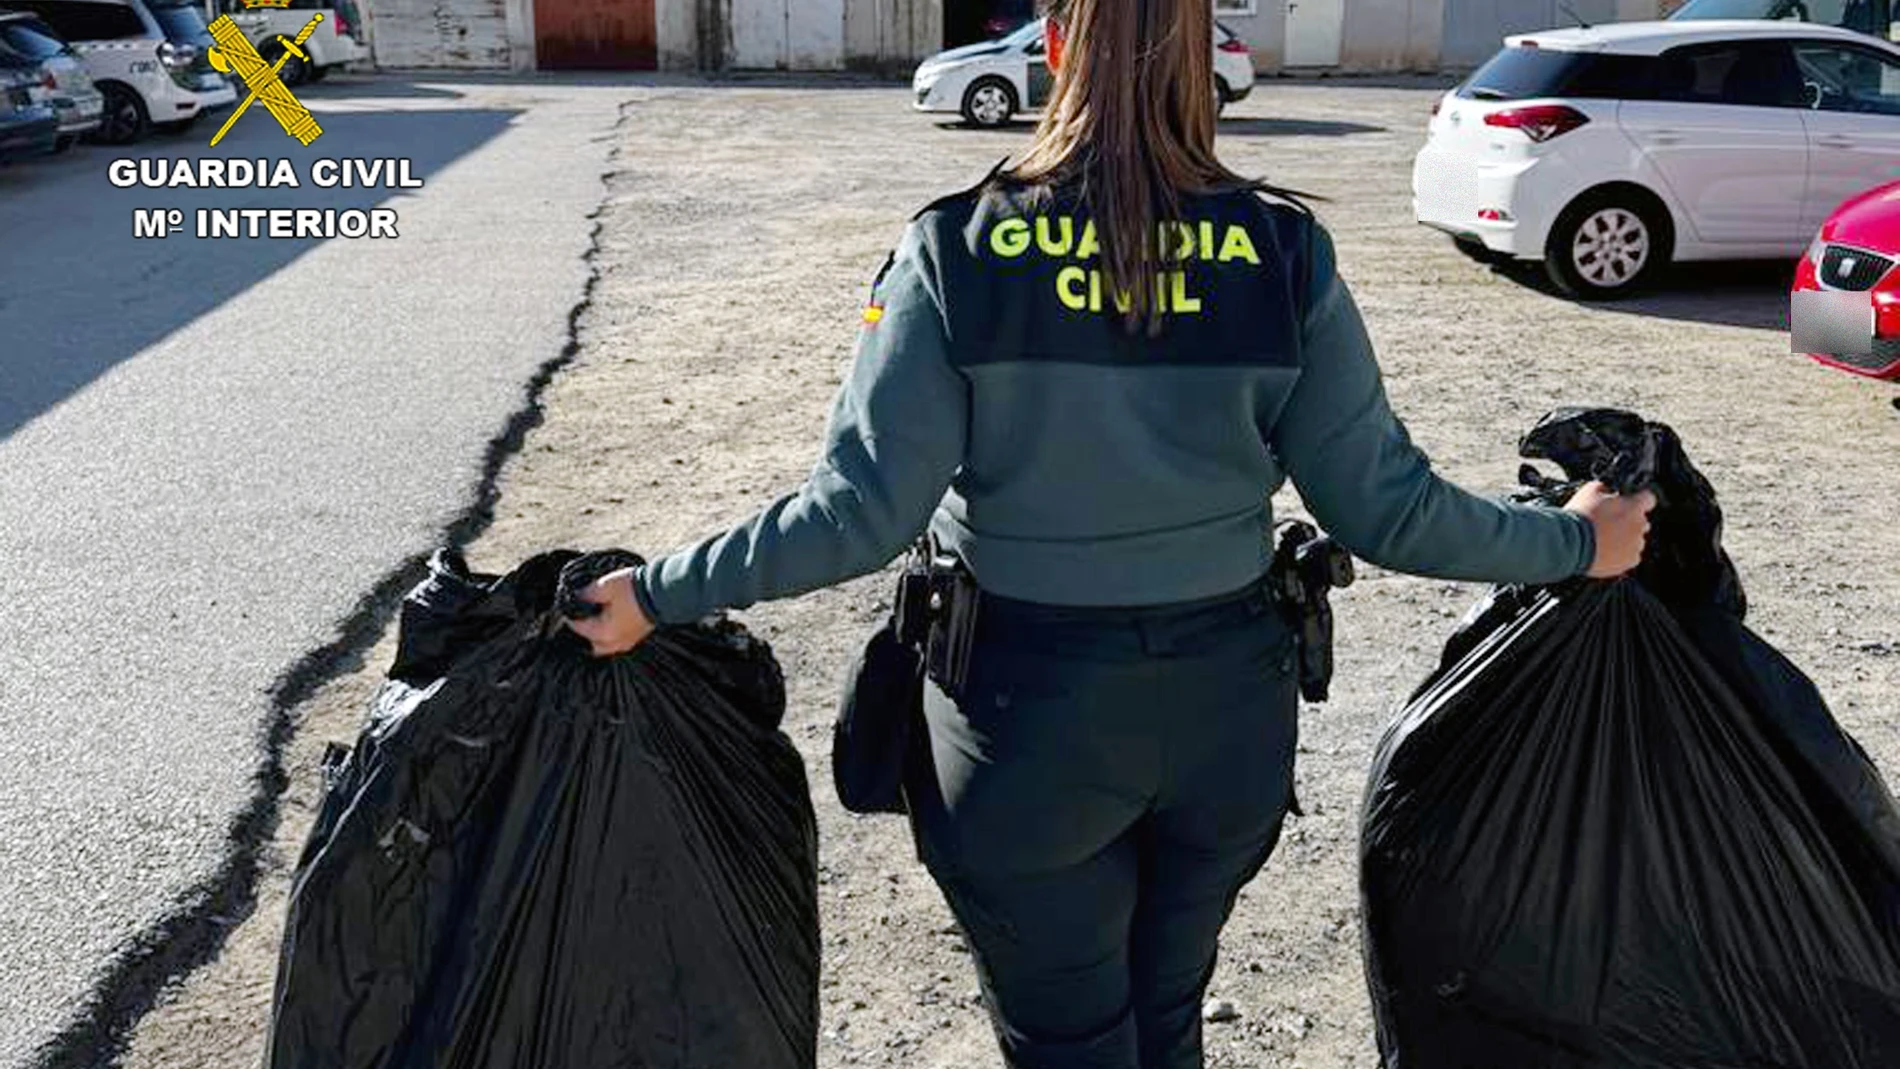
[[594, 35]]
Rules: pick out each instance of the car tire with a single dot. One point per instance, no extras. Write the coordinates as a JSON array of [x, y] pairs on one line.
[[125, 118], [318, 74], [989, 102], [1608, 244], [295, 72], [64, 144]]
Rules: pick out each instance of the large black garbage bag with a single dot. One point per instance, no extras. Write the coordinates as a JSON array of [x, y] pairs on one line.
[[535, 860], [1616, 828]]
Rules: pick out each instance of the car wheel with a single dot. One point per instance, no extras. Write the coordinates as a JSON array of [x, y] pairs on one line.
[[989, 102], [1607, 246], [64, 144], [295, 71], [125, 120], [318, 74]]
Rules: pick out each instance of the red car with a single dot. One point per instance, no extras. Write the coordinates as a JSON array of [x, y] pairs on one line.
[[1857, 250]]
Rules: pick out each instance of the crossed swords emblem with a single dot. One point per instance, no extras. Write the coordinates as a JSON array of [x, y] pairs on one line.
[[234, 52]]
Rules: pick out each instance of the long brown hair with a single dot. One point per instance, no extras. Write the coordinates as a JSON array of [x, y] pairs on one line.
[[1131, 123]]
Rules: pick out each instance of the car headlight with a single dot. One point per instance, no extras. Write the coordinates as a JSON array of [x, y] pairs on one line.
[[925, 78]]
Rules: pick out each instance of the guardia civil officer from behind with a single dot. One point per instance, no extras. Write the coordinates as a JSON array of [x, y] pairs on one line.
[[1093, 418]]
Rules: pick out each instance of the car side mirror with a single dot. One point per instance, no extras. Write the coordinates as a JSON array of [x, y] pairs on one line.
[[1810, 94]]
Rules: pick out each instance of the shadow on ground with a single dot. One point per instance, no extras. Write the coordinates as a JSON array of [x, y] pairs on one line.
[[1742, 293], [79, 293], [375, 88], [1294, 128]]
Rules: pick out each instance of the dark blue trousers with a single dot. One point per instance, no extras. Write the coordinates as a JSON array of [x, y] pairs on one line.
[[1092, 807]]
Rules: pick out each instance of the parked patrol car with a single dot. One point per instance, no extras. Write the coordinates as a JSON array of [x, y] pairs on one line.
[[339, 38], [990, 83], [146, 56], [77, 104]]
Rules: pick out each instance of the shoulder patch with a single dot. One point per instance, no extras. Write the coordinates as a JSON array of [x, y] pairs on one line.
[[874, 305]]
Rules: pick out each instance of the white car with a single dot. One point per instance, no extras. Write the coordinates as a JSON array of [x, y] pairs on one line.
[[1608, 152], [338, 39], [147, 57], [991, 83]]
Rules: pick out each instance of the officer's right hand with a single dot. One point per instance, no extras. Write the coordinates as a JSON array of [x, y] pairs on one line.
[[1622, 526]]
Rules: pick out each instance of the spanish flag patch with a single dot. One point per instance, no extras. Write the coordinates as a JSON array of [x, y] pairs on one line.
[[872, 313]]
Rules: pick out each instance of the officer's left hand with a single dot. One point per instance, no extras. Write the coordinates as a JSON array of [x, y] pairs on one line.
[[621, 624]]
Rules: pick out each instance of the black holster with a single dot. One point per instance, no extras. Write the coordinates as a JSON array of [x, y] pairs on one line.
[[1306, 567], [935, 612]]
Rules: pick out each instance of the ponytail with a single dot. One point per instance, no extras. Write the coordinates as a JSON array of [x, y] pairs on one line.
[[1131, 126]]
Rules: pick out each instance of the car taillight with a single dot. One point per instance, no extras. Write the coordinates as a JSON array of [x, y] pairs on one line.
[[49, 81], [343, 25], [1235, 44], [1540, 122]]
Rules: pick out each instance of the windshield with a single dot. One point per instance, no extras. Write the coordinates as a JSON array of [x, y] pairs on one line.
[[182, 23], [1731, 9], [1867, 16], [1029, 33], [31, 39]]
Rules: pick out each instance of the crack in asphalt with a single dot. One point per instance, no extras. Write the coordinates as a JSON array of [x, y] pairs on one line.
[[193, 935]]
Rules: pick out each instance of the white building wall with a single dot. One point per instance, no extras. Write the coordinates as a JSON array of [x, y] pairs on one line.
[[796, 35], [677, 28], [803, 35], [1420, 35], [891, 34], [1392, 35], [469, 34]]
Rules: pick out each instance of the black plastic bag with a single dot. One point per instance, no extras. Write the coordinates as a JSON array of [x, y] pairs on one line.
[[1615, 828], [535, 860]]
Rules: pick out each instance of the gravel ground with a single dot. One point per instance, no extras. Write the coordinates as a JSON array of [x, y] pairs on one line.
[[740, 230]]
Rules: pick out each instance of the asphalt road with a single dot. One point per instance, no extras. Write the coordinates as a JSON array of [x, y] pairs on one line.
[[211, 451]]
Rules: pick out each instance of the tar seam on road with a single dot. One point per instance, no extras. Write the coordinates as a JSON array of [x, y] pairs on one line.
[[194, 934]]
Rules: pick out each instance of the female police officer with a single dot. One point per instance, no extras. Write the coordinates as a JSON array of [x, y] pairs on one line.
[[1086, 376]]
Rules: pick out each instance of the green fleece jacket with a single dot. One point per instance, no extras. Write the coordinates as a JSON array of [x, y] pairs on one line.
[[996, 400]]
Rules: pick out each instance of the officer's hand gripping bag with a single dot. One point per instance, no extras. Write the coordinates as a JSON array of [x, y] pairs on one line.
[[1615, 828], [535, 860]]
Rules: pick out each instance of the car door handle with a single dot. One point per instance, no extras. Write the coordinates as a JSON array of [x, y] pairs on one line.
[[1664, 137], [1834, 141]]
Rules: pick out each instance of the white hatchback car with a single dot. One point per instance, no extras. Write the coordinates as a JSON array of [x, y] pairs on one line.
[[1607, 152], [992, 82]]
